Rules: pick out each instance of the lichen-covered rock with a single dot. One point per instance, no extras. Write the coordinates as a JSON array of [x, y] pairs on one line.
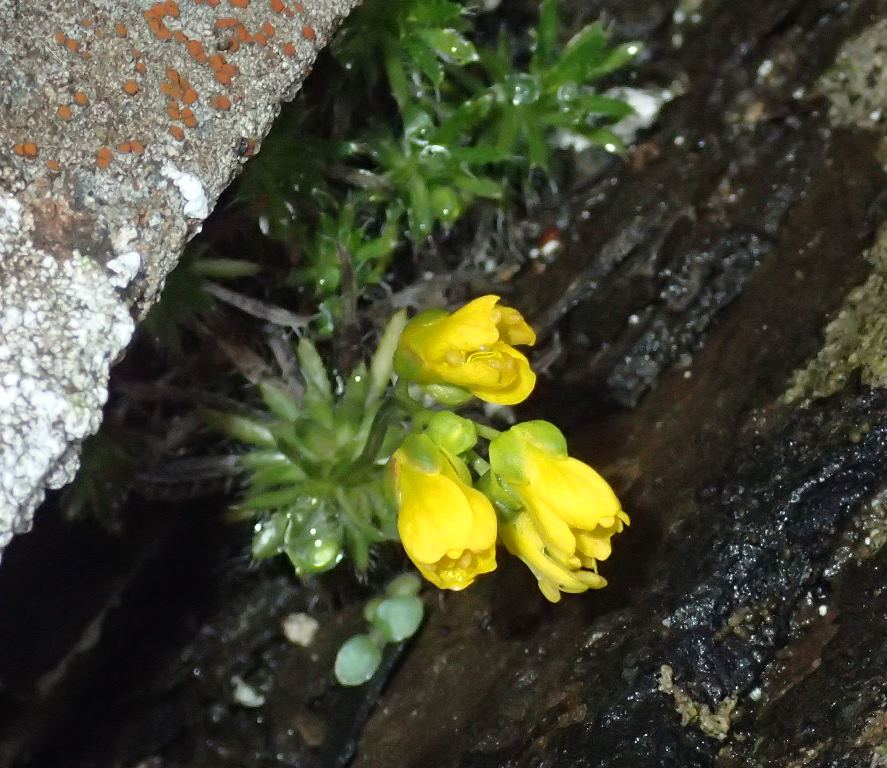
[[122, 122]]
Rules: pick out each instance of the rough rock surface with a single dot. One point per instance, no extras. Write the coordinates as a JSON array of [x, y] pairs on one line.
[[120, 125]]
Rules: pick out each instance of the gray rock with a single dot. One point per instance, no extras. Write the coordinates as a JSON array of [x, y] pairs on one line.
[[120, 125]]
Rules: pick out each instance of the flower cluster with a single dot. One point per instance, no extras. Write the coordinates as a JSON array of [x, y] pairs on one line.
[[454, 501]]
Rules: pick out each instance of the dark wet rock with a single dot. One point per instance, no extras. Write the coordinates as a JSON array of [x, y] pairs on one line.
[[657, 249]]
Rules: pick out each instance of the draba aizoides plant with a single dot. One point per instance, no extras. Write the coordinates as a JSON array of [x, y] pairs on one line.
[[385, 456]]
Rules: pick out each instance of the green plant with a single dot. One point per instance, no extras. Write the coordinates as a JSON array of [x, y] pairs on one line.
[[316, 484], [393, 617], [464, 121]]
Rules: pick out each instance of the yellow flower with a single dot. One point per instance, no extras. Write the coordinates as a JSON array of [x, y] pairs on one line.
[[567, 511], [470, 349], [447, 528]]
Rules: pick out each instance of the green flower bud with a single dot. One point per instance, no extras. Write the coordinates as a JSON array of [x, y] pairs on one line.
[[451, 432], [448, 394]]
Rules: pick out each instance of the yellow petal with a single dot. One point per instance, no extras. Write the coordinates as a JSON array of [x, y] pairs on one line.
[[570, 489], [522, 539], [513, 329], [514, 391], [434, 515], [483, 523], [468, 328]]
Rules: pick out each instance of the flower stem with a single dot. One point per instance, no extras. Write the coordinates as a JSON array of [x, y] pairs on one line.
[[488, 433]]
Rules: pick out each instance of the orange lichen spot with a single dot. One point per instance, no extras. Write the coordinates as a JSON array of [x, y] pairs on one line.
[[53, 165], [221, 102], [308, 32], [60, 37], [213, 3], [226, 22], [103, 157], [268, 29], [288, 12], [155, 12], [299, 7], [174, 111], [140, 67], [124, 147], [277, 6], [239, 3], [176, 132], [260, 39], [180, 37], [171, 8], [189, 96], [226, 73], [72, 45], [120, 30], [64, 112], [86, 23], [195, 50], [26, 149], [289, 50], [136, 147], [160, 30], [173, 75], [80, 98], [136, 53], [216, 61], [131, 87], [241, 34], [188, 118]]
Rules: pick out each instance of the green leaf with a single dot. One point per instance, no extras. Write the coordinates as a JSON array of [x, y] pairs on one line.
[[357, 660], [382, 365], [587, 49], [546, 36], [405, 585], [239, 427], [313, 370], [279, 474], [269, 535], [398, 618], [435, 13], [282, 497], [421, 220], [451, 46], [397, 79], [617, 58], [479, 186], [425, 60], [606, 139], [279, 401], [446, 205]]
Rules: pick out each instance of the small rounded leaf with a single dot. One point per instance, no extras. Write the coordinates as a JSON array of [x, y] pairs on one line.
[[398, 618], [357, 660], [405, 585], [369, 610]]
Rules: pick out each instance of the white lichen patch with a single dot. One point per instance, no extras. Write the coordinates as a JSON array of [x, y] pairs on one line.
[[124, 268], [196, 205], [10, 213], [49, 399]]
